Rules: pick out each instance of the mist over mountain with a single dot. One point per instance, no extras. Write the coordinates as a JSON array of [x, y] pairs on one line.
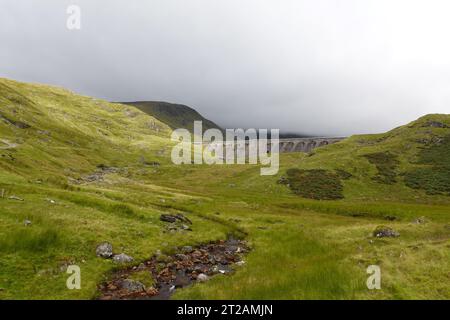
[[311, 67]]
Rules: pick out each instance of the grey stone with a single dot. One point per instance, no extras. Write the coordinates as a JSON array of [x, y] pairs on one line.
[[15, 198], [104, 250], [168, 218], [132, 285], [122, 258], [202, 277], [382, 232]]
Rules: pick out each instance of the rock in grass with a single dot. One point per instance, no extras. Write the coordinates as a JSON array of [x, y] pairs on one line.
[[132, 285], [202, 277], [174, 217], [168, 218], [104, 250], [382, 232], [15, 198], [27, 223], [122, 258]]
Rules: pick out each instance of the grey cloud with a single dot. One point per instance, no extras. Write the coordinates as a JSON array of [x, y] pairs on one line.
[[324, 67]]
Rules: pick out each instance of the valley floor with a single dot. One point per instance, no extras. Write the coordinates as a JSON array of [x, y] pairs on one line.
[[301, 249]]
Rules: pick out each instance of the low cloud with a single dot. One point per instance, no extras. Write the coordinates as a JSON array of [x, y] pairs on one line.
[[322, 67]]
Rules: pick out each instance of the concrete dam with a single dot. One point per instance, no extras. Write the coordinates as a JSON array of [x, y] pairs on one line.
[[305, 144], [292, 144]]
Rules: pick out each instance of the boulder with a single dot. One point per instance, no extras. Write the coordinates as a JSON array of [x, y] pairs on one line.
[[168, 218], [122, 258], [202, 277], [174, 217], [15, 198], [104, 250], [382, 232], [132, 285]]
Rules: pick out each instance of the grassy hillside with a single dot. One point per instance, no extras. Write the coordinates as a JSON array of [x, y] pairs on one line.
[[76, 171], [174, 115], [408, 163]]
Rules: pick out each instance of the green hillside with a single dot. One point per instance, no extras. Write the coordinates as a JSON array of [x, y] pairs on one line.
[[410, 163], [76, 171], [174, 115]]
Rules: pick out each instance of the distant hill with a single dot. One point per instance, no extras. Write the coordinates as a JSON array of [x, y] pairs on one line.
[[415, 156], [174, 115]]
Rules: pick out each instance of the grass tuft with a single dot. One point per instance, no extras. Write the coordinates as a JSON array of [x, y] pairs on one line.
[[29, 240]]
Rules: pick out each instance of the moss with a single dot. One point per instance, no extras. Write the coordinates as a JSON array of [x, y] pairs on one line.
[[386, 164], [315, 184]]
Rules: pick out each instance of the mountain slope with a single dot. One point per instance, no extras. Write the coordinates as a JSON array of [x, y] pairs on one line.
[[174, 115], [409, 162], [76, 171], [57, 130]]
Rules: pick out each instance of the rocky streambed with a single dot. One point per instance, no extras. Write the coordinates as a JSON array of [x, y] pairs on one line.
[[169, 272]]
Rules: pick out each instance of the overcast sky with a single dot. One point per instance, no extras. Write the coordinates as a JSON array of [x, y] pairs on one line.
[[325, 67]]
